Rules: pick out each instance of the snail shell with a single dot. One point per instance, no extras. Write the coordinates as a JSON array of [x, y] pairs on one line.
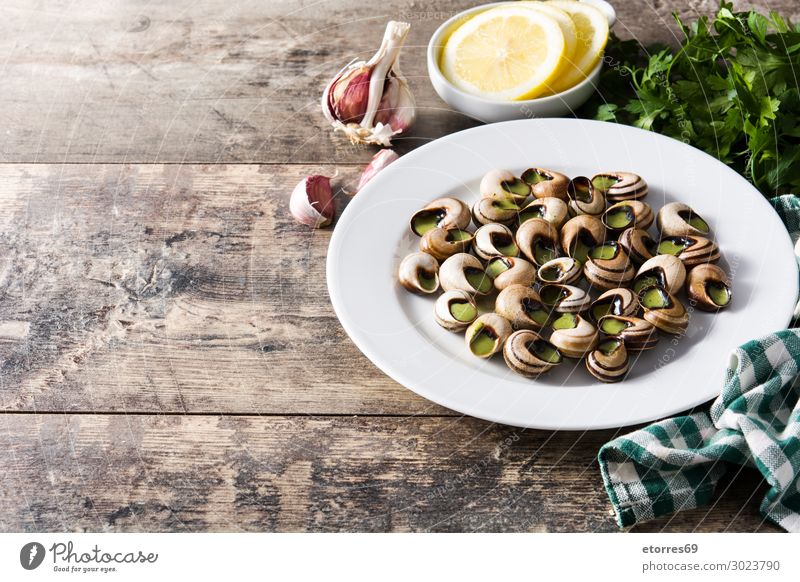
[[494, 240], [678, 219], [608, 362], [618, 186], [444, 213], [553, 210], [620, 301], [537, 239], [455, 310], [441, 243], [464, 272], [692, 250], [666, 271], [628, 214], [580, 234], [663, 310], [584, 198], [638, 334], [573, 335], [608, 266], [564, 270], [708, 287], [546, 183], [486, 335], [639, 244], [504, 184], [488, 210], [527, 353], [565, 298], [522, 306], [507, 271], [419, 273]]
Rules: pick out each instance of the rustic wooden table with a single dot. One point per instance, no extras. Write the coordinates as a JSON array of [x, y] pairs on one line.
[[170, 358]]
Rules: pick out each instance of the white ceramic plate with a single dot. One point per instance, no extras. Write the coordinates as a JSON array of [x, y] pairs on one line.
[[396, 329]]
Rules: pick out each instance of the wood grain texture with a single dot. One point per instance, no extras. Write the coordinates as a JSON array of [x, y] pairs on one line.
[[219, 81], [173, 473], [173, 288], [162, 321]]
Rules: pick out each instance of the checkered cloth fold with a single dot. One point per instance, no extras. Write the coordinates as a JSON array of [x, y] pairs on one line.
[[675, 464]]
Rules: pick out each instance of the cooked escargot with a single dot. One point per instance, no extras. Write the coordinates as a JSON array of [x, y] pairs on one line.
[[620, 301], [486, 335], [663, 310], [507, 271], [546, 183], [522, 306], [608, 266], [678, 219], [707, 287], [488, 210], [444, 213], [504, 184], [638, 334], [527, 353], [494, 240], [573, 335], [455, 310], [584, 198], [553, 210], [580, 234], [441, 243], [666, 271], [692, 250], [639, 244], [628, 214], [619, 186], [608, 362], [564, 270], [537, 239], [464, 272], [419, 273], [565, 298]]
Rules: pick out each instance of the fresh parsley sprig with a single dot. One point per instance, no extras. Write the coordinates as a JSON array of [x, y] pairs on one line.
[[732, 89]]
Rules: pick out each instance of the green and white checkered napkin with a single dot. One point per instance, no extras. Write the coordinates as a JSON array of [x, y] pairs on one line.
[[675, 464]]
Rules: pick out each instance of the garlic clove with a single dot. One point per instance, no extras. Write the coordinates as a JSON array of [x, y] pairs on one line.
[[371, 101], [378, 162], [312, 202]]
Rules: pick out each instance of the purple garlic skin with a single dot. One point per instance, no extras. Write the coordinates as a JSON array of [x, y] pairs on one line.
[[378, 162], [371, 101], [312, 202]]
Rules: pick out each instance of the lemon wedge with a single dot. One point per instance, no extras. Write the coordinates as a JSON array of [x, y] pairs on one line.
[[592, 28], [565, 23], [506, 53]]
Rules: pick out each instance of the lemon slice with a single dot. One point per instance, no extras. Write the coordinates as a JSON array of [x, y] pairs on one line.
[[564, 22], [592, 27], [505, 53]]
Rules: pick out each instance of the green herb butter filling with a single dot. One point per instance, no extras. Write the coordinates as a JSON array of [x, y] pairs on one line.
[[605, 251], [516, 187], [719, 293], [608, 347], [673, 245], [655, 298], [533, 177], [614, 325], [497, 267], [545, 351], [695, 221], [463, 311], [478, 279], [620, 217], [427, 220], [483, 342], [565, 321], [427, 280], [604, 182], [535, 311]]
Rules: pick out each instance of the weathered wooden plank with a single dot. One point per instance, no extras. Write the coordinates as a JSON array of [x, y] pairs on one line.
[[219, 81], [178, 473], [173, 289]]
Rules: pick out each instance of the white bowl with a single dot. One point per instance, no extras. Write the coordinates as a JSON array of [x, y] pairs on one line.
[[492, 111]]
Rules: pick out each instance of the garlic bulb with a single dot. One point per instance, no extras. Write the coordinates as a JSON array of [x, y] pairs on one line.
[[378, 162], [371, 101], [312, 202]]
